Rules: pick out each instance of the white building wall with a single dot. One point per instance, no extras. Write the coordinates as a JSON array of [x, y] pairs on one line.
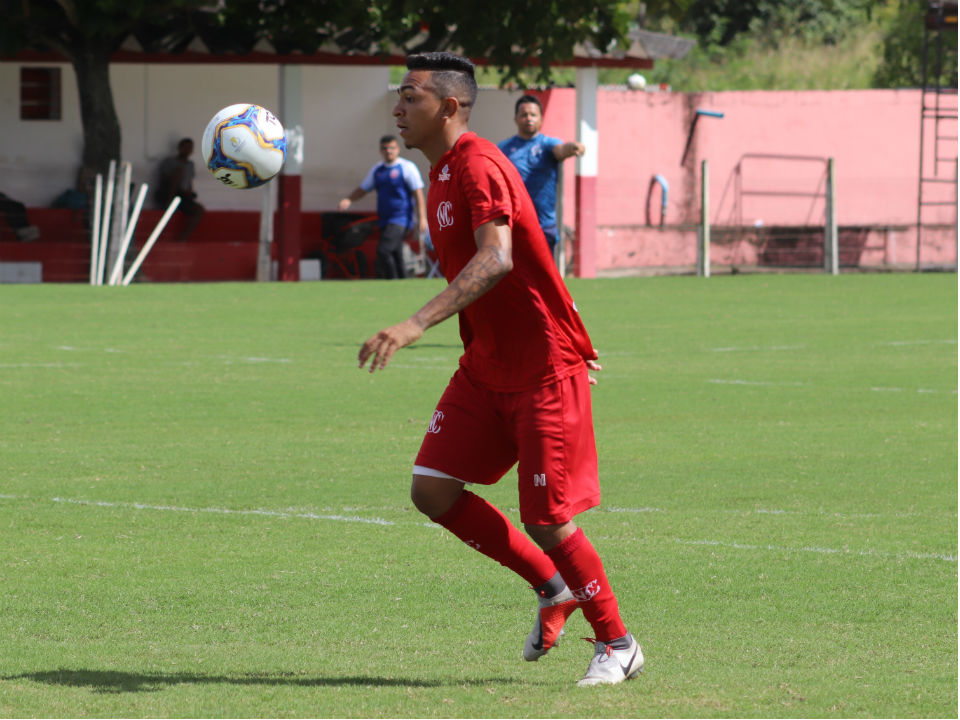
[[346, 109]]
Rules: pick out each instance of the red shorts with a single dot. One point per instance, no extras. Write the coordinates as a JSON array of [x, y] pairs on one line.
[[476, 435]]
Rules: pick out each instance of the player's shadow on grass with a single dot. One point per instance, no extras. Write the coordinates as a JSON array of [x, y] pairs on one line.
[[112, 681]]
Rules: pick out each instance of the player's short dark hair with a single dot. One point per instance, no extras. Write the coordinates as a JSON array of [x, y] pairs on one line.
[[527, 99], [388, 139], [453, 75]]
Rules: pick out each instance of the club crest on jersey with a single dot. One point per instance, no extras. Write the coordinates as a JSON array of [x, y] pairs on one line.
[[586, 593], [445, 214], [444, 173], [435, 421]]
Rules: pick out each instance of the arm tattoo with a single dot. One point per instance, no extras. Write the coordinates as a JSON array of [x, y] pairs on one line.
[[484, 270]]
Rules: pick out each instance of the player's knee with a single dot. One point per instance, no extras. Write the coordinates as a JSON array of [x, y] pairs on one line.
[[549, 536], [419, 498], [433, 496]]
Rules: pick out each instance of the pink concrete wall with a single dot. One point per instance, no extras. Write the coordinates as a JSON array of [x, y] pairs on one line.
[[872, 135]]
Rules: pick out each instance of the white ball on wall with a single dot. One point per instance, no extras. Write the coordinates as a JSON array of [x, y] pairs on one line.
[[636, 82]]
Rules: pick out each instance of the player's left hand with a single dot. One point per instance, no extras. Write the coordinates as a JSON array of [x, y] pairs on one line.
[[593, 365], [385, 343]]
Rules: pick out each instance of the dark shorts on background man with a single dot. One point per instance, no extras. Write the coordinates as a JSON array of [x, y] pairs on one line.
[[389, 264]]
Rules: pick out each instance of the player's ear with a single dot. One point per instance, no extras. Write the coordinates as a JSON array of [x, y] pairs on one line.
[[449, 107]]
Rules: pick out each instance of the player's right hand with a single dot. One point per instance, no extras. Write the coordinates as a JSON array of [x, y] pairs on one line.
[[381, 347]]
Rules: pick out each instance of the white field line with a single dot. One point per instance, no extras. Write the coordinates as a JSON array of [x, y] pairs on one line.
[[516, 511], [251, 360], [446, 368], [758, 348], [921, 391], [907, 343], [779, 348], [823, 550], [763, 383], [224, 511], [379, 521], [632, 510], [54, 365]]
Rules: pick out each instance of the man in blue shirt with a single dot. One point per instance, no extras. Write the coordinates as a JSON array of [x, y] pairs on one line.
[[538, 158], [399, 189]]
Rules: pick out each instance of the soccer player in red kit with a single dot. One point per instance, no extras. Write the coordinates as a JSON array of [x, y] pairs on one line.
[[522, 391]]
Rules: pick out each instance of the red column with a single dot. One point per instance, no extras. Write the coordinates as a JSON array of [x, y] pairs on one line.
[[586, 226]]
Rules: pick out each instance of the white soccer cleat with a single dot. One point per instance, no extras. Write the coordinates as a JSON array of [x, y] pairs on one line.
[[611, 666], [552, 614]]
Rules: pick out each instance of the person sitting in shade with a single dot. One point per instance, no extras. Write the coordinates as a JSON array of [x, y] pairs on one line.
[[176, 180]]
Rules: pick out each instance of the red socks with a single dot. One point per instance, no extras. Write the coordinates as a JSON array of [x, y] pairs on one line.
[[481, 526], [582, 569]]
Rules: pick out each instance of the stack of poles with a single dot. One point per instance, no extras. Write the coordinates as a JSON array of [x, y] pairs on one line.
[[122, 227]]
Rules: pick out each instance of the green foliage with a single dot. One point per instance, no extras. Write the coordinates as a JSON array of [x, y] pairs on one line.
[[808, 44], [902, 56], [205, 510], [73, 28], [794, 63], [720, 22]]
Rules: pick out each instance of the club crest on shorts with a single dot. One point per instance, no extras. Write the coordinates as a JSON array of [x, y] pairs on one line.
[[435, 421], [586, 593], [539, 479]]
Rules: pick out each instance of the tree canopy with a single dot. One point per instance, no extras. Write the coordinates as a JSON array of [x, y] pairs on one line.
[[87, 32]]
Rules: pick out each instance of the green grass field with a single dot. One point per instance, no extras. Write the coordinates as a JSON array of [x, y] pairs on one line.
[[204, 505]]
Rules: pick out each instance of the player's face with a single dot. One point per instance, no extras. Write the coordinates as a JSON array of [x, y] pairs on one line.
[[418, 110], [528, 120], [390, 151]]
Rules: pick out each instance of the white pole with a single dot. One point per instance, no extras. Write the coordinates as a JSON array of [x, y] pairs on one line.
[[95, 228], [832, 249], [128, 235], [105, 221], [559, 250], [121, 211], [703, 268], [151, 240]]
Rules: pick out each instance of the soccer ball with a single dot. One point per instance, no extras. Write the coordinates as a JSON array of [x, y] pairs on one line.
[[244, 146], [636, 82]]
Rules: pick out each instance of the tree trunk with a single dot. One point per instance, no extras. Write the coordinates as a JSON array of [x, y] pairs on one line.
[[101, 128]]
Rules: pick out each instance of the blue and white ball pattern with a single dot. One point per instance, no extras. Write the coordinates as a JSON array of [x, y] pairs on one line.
[[244, 146]]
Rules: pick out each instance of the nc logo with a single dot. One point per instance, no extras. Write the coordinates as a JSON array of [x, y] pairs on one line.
[[435, 422], [445, 214]]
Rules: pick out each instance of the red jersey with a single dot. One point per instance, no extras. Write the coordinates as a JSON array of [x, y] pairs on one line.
[[525, 332]]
